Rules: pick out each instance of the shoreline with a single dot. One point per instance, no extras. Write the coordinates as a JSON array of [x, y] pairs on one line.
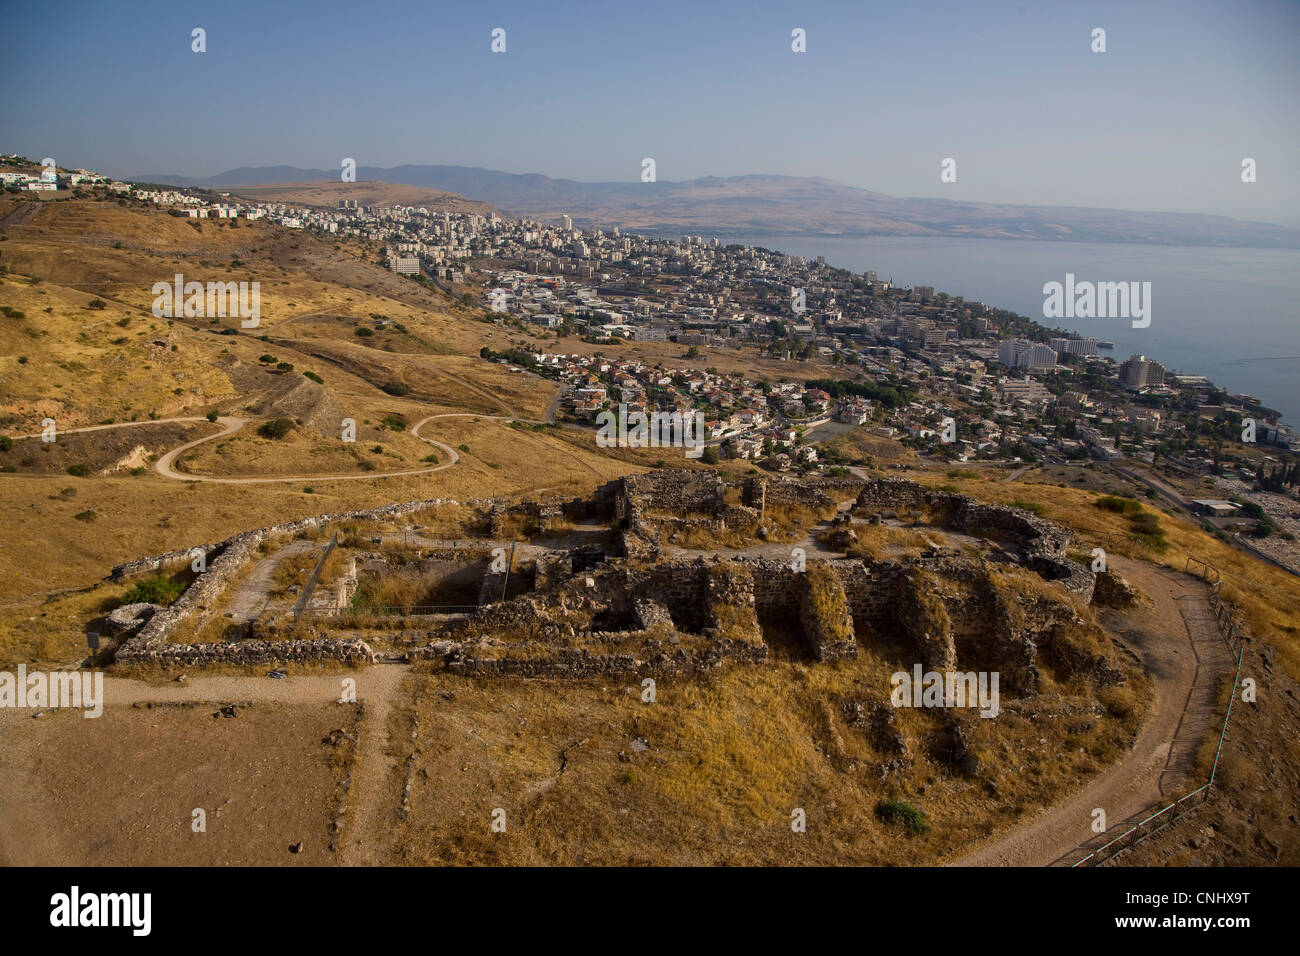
[[1176, 364]]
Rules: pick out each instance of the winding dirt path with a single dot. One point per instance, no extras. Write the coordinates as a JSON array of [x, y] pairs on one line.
[[164, 464], [231, 424], [1180, 645]]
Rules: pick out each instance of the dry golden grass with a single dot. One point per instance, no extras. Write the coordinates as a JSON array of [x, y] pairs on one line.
[[307, 452], [783, 523], [293, 570], [859, 447], [150, 515], [77, 373], [880, 541], [789, 522], [82, 367], [729, 759], [828, 602]]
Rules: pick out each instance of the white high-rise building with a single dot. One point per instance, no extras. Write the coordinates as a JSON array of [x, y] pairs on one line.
[[1141, 372], [1019, 353], [1075, 346]]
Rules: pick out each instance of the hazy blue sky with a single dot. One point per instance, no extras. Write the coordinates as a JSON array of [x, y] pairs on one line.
[[1012, 91]]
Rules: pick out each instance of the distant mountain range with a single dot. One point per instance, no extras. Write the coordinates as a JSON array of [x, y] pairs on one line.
[[777, 204]]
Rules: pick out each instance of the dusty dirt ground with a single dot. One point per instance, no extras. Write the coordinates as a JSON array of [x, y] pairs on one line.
[[121, 789], [1253, 815], [584, 773]]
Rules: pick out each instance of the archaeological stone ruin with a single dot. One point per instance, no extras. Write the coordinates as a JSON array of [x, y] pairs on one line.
[[668, 572]]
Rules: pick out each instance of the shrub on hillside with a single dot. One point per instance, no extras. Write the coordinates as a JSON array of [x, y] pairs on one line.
[[1146, 527], [1117, 505], [275, 428], [899, 811]]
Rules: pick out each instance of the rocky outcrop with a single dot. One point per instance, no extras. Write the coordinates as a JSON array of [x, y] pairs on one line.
[[129, 617], [1113, 591]]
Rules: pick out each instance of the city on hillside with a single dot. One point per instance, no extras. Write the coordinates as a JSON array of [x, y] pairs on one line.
[[956, 380]]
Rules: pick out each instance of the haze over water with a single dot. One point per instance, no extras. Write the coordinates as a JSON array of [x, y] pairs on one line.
[[1230, 314]]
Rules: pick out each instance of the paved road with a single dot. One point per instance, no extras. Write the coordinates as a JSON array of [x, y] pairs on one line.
[[1173, 497]]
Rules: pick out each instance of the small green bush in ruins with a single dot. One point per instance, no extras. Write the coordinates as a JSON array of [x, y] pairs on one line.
[[154, 590], [898, 811]]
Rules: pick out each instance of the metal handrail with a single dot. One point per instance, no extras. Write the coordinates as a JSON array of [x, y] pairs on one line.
[[310, 586], [510, 563]]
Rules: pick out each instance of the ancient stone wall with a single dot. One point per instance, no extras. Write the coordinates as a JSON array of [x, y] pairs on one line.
[[225, 561], [680, 586], [676, 491], [783, 491], [758, 491], [154, 564], [828, 622], [1042, 543], [348, 651]]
